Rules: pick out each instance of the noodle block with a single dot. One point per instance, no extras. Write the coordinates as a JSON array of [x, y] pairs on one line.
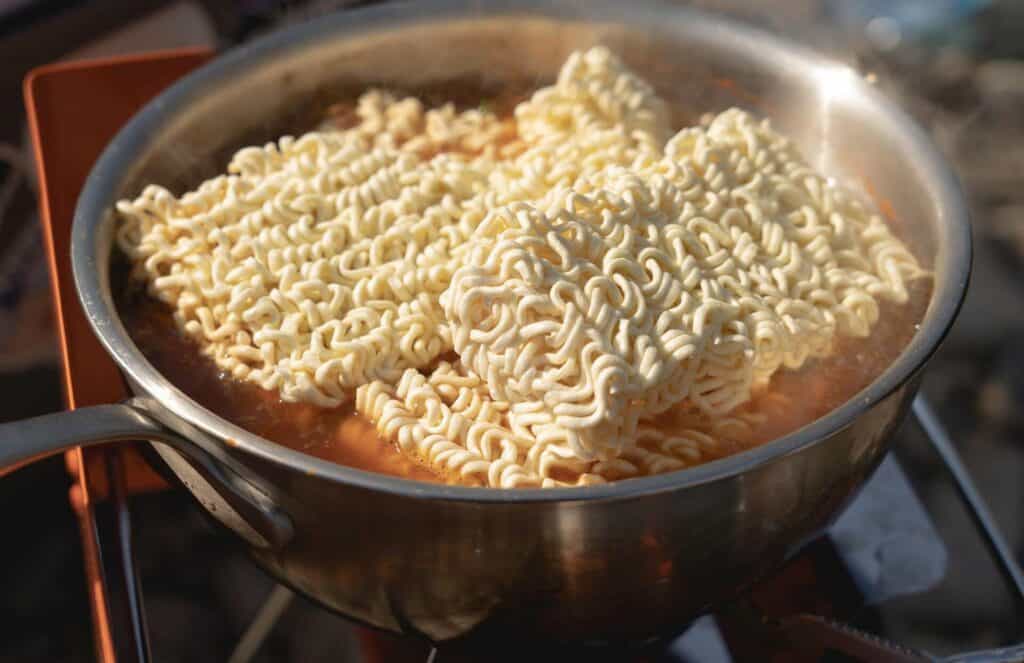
[[593, 273], [690, 278]]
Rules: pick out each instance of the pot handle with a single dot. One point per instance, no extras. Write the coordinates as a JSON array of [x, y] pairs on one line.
[[22, 442]]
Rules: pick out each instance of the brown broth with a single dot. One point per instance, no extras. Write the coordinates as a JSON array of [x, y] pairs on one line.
[[338, 435], [792, 400], [344, 437]]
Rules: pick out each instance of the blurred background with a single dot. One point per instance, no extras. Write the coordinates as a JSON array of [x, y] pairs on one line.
[[956, 65]]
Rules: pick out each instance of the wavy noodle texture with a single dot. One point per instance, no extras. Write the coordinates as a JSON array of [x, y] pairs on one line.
[[594, 92], [315, 266], [615, 293], [449, 421], [387, 121], [692, 277]]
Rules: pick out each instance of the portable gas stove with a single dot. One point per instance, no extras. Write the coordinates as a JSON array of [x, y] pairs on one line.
[[832, 602]]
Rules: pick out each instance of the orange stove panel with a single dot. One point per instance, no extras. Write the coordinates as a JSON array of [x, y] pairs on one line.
[[74, 109]]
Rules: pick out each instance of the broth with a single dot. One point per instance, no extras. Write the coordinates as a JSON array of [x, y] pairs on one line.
[[344, 437], [341, 436]]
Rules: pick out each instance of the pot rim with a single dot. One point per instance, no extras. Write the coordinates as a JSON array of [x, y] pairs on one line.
[[91, 279]]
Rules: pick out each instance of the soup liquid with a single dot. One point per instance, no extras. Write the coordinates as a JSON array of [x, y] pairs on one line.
[[792, 400], [344, 437]]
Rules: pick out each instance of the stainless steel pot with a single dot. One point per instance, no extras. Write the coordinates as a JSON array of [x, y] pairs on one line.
[[621, 562]]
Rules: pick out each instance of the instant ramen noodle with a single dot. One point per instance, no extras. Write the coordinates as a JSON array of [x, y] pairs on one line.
[[570, 293]]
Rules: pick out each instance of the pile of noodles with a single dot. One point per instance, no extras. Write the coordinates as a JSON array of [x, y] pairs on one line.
[[515, 301]]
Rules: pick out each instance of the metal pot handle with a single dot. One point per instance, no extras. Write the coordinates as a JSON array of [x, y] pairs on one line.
[[22, 442]]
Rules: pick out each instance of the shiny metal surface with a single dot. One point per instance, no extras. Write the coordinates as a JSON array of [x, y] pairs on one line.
[[220, 483], [622, 562]]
